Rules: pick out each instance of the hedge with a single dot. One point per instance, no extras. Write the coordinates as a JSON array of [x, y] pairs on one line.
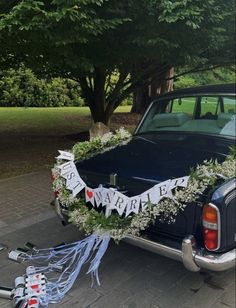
[[21, 88]]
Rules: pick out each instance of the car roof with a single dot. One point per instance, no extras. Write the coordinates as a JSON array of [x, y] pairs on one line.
[[202, 90]]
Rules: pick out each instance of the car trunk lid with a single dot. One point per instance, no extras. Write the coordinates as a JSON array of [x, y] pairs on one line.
[[150, 159]]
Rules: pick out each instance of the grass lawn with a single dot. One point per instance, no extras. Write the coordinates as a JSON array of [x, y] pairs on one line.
[[47, 121], [30, 137]]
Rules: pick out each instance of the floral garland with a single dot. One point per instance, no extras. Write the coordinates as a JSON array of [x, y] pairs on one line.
[[201, 179]]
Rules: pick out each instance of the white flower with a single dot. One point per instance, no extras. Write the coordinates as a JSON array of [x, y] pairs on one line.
[[203, 177], [106, 138]]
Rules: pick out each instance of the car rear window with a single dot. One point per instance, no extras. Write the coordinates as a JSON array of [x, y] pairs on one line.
[[209, 114]]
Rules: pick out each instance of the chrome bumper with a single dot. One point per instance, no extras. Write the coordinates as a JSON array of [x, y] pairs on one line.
[[193, 259]]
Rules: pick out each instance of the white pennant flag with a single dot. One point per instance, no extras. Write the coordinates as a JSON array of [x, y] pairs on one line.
[[89, 195], [163, 190], [119, 202], [71, 177], [66, 167], [66, 155], [179, 182], [149, 196], [76, 185], [98, 195], [133, 205], [107, 195], [107, 199], [72, 171]]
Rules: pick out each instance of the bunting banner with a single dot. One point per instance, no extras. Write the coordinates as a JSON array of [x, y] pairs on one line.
[[112, 199]]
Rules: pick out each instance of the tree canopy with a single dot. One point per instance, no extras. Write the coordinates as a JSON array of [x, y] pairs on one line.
[[112, 47]]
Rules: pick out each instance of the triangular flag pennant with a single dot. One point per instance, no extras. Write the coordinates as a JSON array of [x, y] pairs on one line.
[[89, 195], [66, 167], [119, 202], [133, 205], [163, 190], [179, 182], [70, 176], [107, 199], [65, 155], [76, 186], [147, 197], [98, 195], [107, 195]]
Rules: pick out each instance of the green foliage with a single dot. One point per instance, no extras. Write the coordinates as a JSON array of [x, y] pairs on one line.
[[21, 88], [233, 152], [219, 75], [202, 178], [95, 219], [89, 40], [87, 149]]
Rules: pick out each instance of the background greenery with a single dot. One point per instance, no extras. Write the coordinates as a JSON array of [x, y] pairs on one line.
[[21, 88], [47, 121], [216, 76], [30, 137], [140, 41]]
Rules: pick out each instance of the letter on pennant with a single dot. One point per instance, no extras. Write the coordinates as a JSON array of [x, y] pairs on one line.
[[133, 205], [119, 202], [66, 167], [179, 182], [98, 195], [148, 196], [162, 190]]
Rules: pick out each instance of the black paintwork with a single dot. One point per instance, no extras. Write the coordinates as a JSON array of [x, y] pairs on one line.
[[156, 157], [224, 197], [223, 89], [150, 158]]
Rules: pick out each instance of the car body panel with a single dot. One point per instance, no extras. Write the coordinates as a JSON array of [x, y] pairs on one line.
[[154, 156]]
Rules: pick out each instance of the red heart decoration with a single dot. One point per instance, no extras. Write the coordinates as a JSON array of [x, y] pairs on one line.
[[32, 301], [89, 194]]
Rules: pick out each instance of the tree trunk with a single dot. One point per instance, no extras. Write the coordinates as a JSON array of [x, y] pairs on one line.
[[160, 84], [95, 97], [141, 100]]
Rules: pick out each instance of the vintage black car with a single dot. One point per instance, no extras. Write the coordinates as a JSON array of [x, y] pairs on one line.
[[178, 131]]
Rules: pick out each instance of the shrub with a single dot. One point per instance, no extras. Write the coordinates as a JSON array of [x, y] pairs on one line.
[[21, 88]]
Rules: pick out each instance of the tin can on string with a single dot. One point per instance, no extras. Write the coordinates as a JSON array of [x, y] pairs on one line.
[[19, 282], [30, 270], [35, 279], [16, 255], [18, 296], [31, 246], [33, 302]]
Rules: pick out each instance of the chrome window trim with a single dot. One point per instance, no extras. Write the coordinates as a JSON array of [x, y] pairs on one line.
[[143, 118], [171, 97]]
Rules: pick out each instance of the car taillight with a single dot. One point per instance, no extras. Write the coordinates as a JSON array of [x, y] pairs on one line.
[[211, 226]]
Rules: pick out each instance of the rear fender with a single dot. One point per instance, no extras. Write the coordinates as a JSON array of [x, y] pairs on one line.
[[224, 197]]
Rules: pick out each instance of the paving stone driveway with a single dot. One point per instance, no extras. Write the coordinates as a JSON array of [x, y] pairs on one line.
[[130, 277]]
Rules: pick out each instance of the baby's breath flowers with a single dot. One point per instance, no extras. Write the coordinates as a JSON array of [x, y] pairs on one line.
[[201, 179]]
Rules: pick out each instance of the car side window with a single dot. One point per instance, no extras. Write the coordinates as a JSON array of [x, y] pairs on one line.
[[229, 104], [211, 106], [184, 104]]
